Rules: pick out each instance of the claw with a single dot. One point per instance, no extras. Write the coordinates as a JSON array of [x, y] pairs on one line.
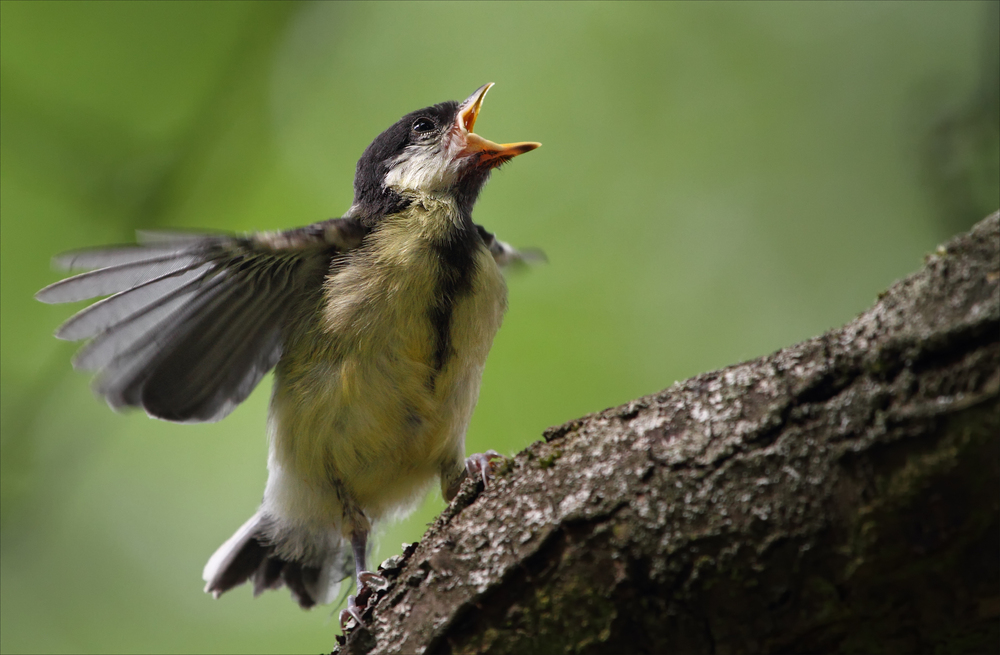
[[365, 579], [352, 612], [481, 464]]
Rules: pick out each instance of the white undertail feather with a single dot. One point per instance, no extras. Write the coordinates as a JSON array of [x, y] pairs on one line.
[[322, 591], [224, 554]]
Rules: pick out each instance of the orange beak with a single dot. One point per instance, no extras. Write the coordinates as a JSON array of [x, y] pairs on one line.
[[490, 154]]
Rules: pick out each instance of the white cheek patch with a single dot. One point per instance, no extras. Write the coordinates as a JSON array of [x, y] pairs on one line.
[[423, 168]]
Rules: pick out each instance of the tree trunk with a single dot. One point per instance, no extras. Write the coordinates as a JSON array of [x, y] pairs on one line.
[[842, 494]]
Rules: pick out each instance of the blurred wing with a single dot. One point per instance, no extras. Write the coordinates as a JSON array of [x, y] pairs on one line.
[[506, 255], [193, 322]]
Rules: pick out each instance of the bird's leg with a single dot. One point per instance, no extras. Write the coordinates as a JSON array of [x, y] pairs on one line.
[[482, 465], [364, 577]]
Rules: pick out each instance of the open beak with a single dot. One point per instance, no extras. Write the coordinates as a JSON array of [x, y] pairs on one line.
[[490, 154]]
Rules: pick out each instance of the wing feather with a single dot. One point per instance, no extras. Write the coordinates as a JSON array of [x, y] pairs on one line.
[[115, 309], [120, 277], [143, 327], [86, 260], [210, 380], [506, 255], [195, 320]]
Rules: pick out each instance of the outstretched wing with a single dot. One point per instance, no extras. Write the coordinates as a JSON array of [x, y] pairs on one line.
[[193, 322], [505, 254]]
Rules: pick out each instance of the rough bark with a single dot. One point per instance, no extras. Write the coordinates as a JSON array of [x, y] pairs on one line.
[[842, 494]]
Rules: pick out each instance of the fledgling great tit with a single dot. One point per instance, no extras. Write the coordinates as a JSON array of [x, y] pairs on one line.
[[377, 324]]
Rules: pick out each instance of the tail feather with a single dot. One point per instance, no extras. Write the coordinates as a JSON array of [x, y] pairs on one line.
[[268, 576], [302, 582], [249, 556]]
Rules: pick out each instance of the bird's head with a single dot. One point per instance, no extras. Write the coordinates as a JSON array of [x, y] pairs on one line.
[[431, 151]]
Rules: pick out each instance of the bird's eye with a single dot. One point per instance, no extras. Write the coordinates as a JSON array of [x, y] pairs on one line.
[[422, 125]]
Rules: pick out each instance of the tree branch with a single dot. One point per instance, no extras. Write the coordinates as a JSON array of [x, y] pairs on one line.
[[840, 494]]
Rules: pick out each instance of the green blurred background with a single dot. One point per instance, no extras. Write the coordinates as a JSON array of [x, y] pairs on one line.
[[717, 181]]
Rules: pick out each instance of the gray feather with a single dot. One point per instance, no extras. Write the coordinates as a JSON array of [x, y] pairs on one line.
[[194, 378], [106, 281], [134, 331], [111, 311], [135, 344], [93, 258]]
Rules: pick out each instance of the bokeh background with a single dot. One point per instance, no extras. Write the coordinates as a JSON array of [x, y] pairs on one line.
[[717, 181]]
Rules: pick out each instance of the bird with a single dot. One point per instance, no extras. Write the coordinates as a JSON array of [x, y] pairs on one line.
[[377, 325]]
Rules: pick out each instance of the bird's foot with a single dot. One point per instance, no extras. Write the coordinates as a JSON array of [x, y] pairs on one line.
[[483, 465], [365, 579], [352, 612]]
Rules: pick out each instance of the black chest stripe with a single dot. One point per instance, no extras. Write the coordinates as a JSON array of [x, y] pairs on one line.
[[457, 265]]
